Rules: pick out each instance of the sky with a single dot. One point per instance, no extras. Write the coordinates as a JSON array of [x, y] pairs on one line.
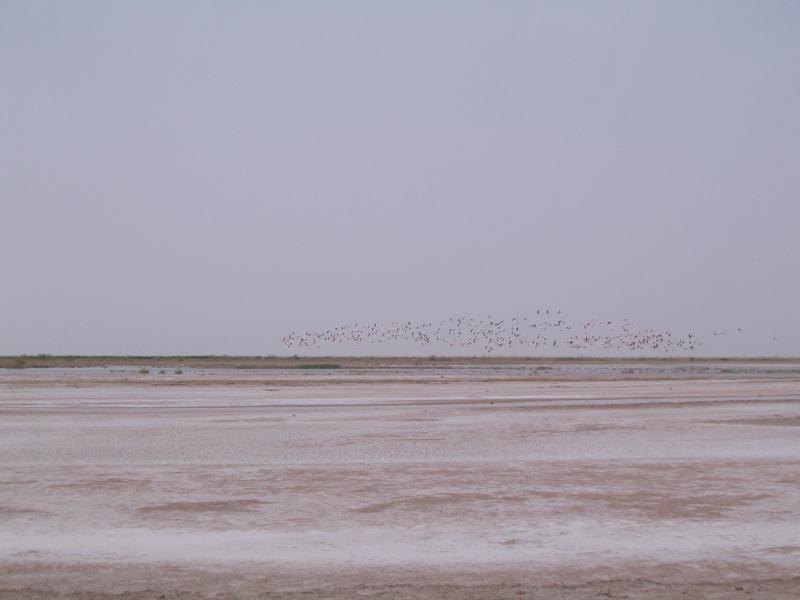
[[205, 177]]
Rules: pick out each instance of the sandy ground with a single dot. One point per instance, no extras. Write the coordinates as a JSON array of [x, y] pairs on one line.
[[235, 485]]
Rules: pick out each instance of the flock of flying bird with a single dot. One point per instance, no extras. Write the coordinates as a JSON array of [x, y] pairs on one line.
[[547, 330]]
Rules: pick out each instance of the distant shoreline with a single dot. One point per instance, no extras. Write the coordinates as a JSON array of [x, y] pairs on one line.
[[361, 362]]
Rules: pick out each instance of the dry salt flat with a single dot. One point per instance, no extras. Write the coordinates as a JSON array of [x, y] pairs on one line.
[[454, 483]]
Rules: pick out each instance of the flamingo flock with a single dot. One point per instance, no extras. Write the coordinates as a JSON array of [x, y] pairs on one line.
[[546, 330]]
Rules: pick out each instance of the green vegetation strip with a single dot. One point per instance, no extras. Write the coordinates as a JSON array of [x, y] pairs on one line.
[[356, 362]]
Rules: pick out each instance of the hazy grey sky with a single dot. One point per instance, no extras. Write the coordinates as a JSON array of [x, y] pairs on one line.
[[189, 177]]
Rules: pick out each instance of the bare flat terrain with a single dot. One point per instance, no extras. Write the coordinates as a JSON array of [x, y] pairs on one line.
[[657, 479]]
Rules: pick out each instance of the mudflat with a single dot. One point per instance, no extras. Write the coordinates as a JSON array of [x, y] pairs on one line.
[[471, 480]]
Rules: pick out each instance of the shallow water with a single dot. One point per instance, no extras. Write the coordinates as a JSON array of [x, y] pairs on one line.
[[467, 372]]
